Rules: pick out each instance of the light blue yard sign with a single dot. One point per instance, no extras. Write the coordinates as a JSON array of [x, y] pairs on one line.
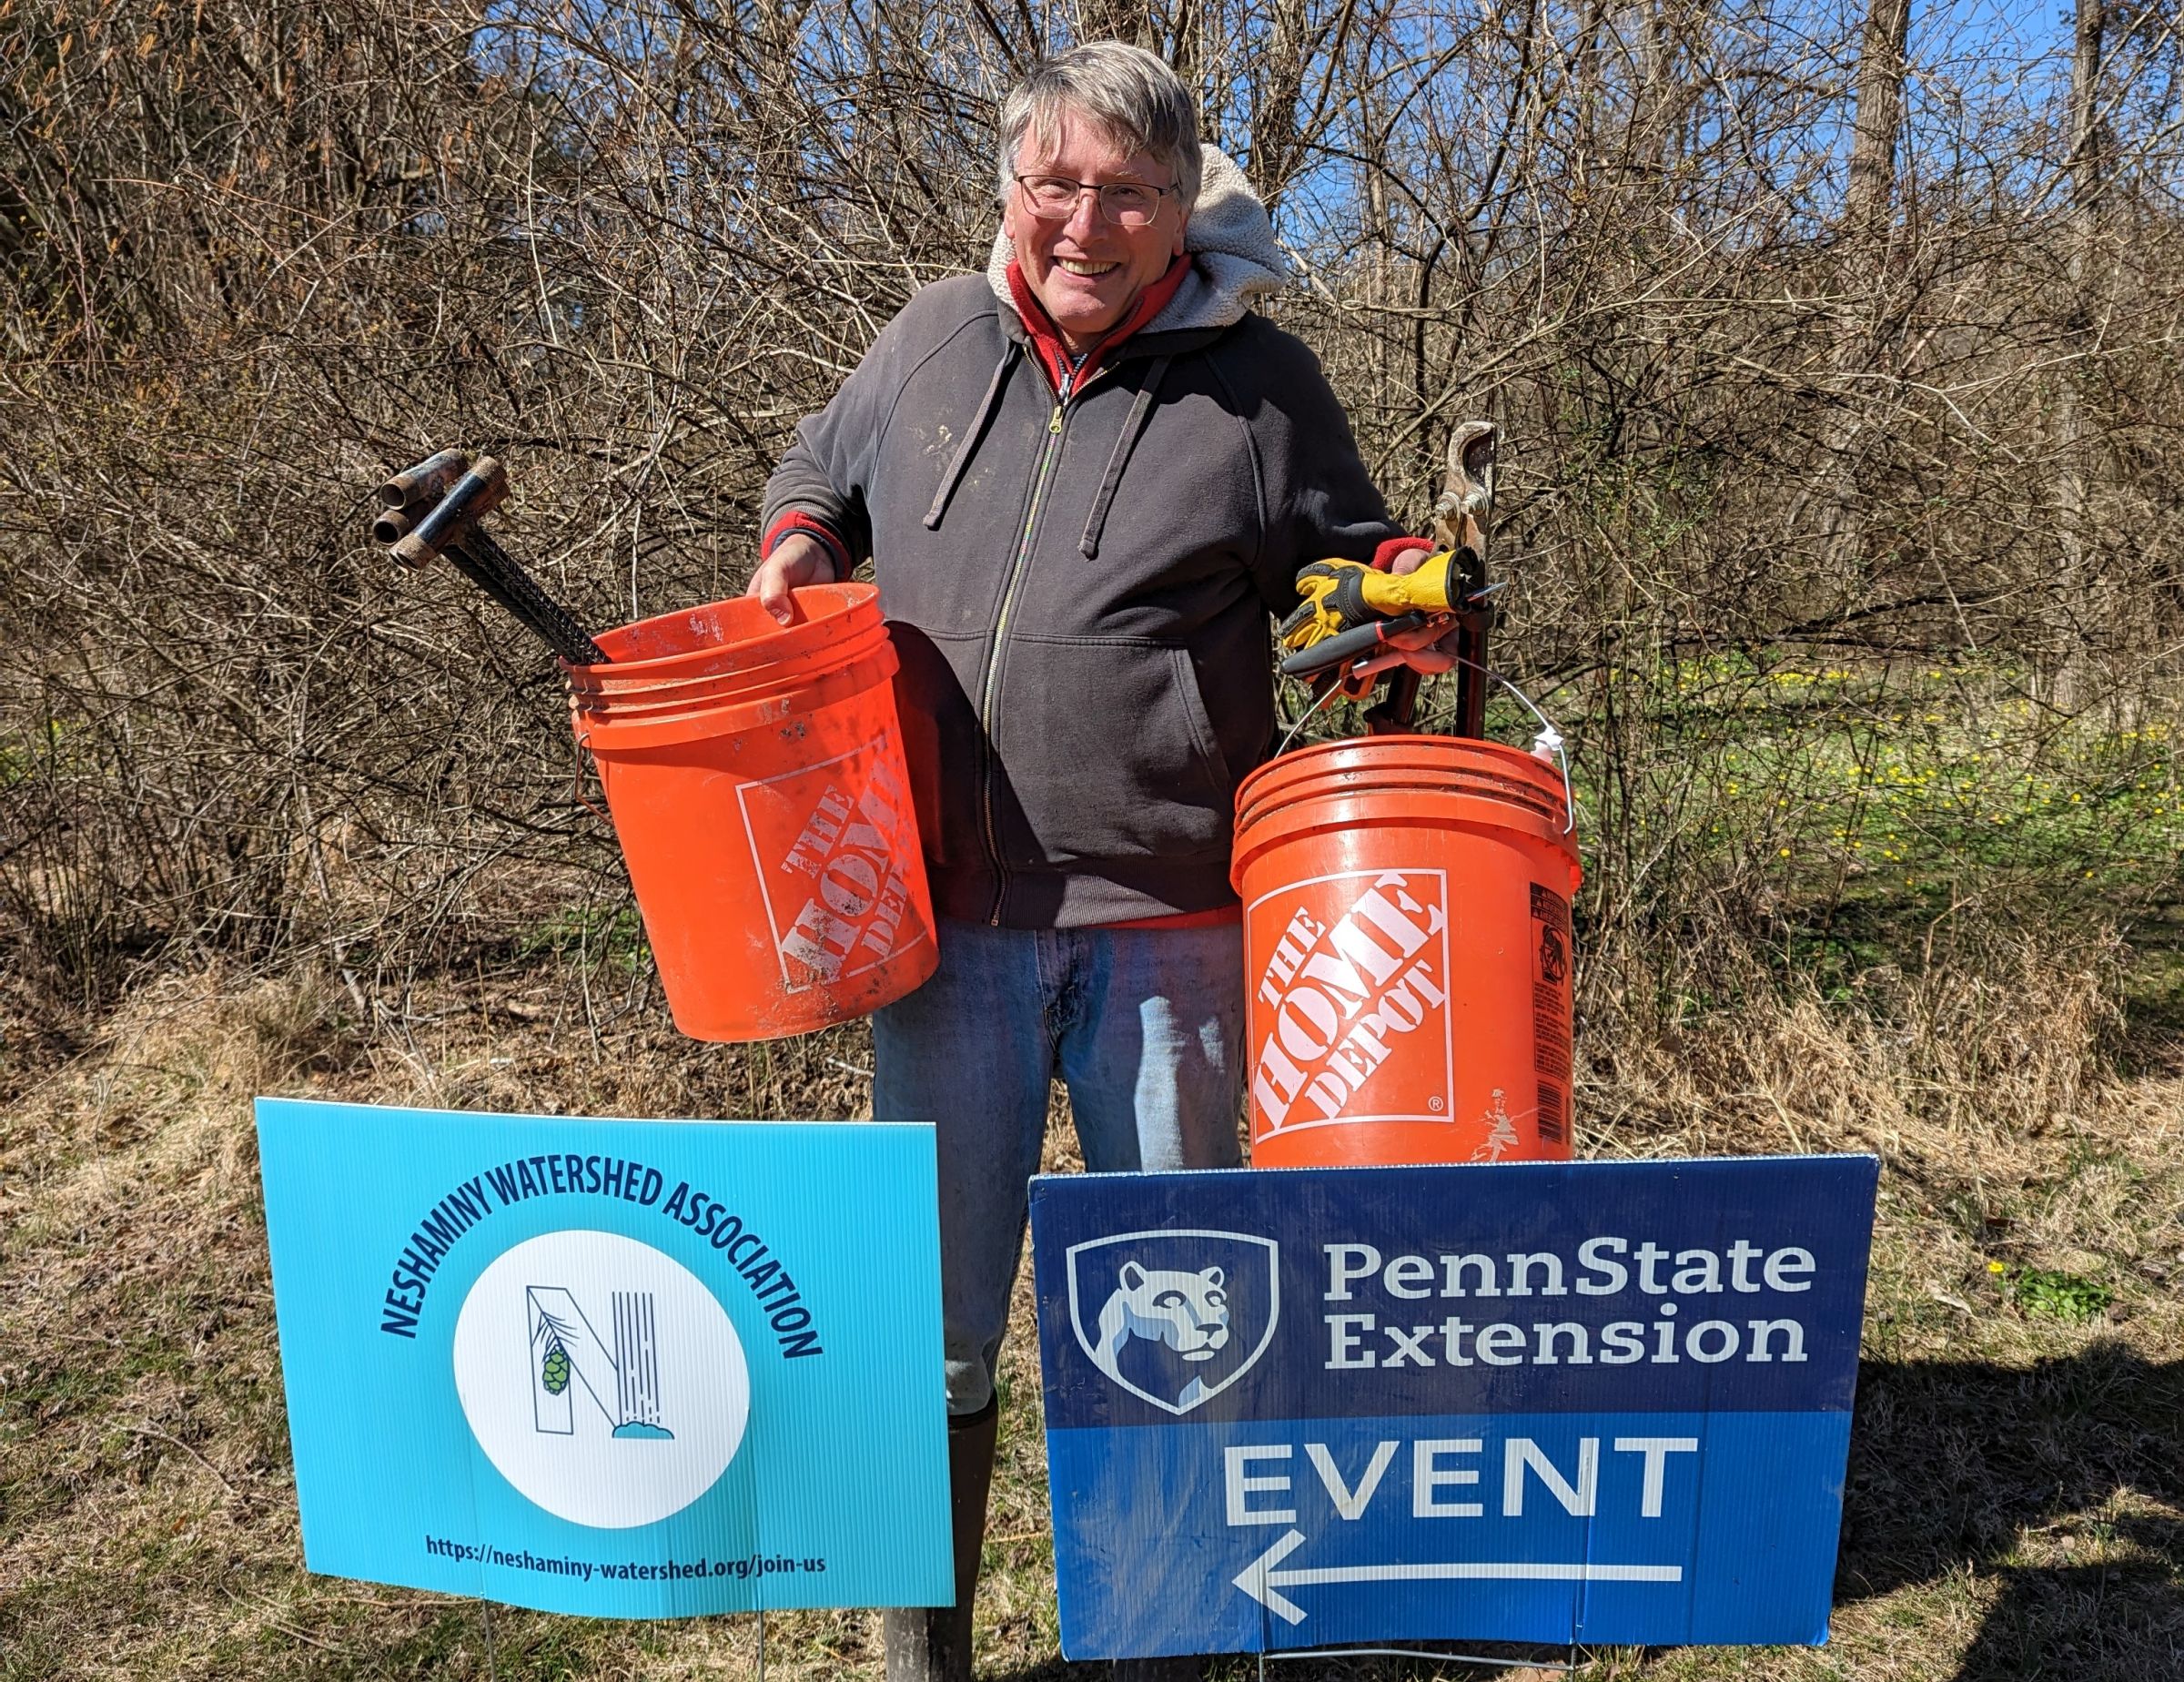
[[624, 1369]]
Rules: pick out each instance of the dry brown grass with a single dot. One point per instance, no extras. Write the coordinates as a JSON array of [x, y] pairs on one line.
[[258, 254], [2001, 1051], [2015, 1501]]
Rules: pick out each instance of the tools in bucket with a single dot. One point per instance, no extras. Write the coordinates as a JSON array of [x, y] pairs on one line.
[[758, 780], [436, 507], [1355, 623], [754, 776], [1406, 896]]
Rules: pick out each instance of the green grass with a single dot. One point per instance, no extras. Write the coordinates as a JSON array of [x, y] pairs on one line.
[[1897, 780], [1847, 817], [2051, 1291], [609, 936], [1878, 783]]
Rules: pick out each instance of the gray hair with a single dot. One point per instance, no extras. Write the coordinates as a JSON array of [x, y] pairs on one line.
[[1128, 92]]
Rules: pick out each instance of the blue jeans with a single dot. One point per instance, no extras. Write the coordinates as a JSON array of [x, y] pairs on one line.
[[1146, 1026]]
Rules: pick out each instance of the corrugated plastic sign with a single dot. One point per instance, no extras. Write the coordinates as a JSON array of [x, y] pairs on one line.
[[623, 1369], [1605, 1402]]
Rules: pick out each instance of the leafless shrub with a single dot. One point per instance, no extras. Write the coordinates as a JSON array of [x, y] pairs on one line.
[[1806, 334]]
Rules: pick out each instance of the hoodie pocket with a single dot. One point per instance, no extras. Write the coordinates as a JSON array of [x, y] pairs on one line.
[[1207, 738], [1106, 750]]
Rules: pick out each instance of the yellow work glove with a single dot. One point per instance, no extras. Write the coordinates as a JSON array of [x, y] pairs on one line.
[[1342, 595]]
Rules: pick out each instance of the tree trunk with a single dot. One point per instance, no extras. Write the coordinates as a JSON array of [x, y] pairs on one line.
[[1868, 225], [2077, 596], [1883, 62]]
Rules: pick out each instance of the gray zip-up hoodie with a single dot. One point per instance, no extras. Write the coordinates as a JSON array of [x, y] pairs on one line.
[[1079, 590]]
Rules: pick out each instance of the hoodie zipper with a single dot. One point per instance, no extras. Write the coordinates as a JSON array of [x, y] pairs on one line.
[[991, 693]]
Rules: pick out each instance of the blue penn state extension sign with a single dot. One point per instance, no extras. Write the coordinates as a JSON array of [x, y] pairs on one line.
[[623, 1369], [1554, 1403]]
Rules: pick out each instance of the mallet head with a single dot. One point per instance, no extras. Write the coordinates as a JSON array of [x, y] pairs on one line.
[[476, 494], [406, 497]]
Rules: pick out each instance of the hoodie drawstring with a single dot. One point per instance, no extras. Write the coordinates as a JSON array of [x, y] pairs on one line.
[[1088, 546], [968, 447]]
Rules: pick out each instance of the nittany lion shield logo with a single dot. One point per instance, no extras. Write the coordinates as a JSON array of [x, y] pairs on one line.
[[1174, 1317]]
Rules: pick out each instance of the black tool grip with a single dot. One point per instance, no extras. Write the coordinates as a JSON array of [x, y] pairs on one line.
[[478, 492], [1348, 646], [493, 569], [1398, 711], [435, 506]]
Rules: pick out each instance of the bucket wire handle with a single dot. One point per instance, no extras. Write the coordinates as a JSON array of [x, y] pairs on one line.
[[1548, 737], [576, 787], [1305, 717]]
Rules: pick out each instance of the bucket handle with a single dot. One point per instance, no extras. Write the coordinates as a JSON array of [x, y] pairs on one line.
[[576, 783], [1304, 718], [1549, 738]]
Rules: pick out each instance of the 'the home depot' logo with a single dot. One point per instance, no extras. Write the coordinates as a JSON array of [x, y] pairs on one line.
[[830, 842], [1350, 1016]]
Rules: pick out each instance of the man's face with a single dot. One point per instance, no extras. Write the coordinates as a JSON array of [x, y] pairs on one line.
[[1087, 270]]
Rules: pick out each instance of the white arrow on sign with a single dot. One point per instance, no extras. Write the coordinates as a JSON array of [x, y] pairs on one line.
[[1264, 1583]]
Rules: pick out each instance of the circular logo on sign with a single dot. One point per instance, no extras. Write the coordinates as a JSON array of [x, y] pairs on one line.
[[601, 1378]]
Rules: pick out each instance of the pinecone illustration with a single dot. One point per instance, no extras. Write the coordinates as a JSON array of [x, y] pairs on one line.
[[554, 1372]]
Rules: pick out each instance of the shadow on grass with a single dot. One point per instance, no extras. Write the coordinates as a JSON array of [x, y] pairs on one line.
[[2009, 1473], [1999, 1472]]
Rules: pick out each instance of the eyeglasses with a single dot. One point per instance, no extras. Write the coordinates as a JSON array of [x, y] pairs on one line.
[[1126, 204]]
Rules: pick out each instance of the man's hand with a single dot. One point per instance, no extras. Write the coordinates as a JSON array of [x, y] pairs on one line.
[[1350, 613], [1425, 650], [797, 559]]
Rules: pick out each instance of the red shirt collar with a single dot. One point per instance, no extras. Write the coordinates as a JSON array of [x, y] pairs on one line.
[[1047, 339]]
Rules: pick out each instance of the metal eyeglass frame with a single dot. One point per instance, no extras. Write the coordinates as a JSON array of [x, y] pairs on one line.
[[1099, 190]]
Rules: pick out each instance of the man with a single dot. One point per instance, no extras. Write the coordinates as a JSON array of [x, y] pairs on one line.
[[1086, 479]]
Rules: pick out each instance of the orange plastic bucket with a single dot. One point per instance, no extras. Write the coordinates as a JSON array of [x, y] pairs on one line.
[[755, 773], [1407, 951]]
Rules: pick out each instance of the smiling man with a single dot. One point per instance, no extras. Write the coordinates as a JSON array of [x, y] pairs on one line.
[[1085, 480], [1092, 227]]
